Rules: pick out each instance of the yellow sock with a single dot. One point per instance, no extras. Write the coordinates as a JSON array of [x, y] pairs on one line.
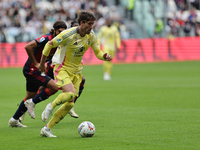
[[60, 114], [62, 98], [107, 66]]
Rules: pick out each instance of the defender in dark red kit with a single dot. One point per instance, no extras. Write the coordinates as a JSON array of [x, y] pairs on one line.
[[34, 78]]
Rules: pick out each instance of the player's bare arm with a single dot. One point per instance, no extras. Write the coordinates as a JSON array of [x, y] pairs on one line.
[[45, 53], [42, 66], [29, 49]]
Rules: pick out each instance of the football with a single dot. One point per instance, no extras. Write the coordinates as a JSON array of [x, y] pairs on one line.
[[86, 129]]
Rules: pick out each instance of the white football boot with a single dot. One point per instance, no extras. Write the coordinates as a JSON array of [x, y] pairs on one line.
[[47, 112], [106, 77], [31, 107], [21, 119], [72, 113], [46, 132], [15, 123]]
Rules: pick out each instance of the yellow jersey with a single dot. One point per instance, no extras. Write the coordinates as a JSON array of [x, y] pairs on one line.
[[110, 36], [71, 48]]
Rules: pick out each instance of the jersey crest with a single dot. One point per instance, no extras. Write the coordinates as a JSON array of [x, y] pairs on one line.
[[88, 42], [41, 40]]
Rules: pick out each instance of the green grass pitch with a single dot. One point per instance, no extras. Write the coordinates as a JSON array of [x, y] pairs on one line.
[[153, 106]]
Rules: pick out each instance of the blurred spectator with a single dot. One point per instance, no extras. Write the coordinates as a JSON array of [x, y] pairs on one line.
[[181, 4], [197, 29], [114, 14], [173, 27], [193, 16], [195, 3], [24, 20], [181, 16], [187, 28], [129, 9], [2, 36], [159, 28]]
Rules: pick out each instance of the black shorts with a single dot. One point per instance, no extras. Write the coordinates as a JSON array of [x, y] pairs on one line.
[[35, 79]]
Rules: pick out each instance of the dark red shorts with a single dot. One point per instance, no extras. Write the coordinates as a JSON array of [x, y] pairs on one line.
[[35, 79]]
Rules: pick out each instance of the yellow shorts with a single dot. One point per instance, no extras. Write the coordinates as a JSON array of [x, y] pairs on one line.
[[64, 77], [110, 52]]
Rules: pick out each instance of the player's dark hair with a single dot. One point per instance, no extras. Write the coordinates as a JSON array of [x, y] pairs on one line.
[[59, 24], [85, 16], [73, 22]]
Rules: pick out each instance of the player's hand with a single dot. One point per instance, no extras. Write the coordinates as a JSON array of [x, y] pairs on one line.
[[107, 57], [37, 65], [42, 68]]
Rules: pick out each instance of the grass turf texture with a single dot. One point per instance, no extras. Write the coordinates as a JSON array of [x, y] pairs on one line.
[[145, 106]]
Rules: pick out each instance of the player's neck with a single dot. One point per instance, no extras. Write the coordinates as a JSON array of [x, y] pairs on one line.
[[80, 31]]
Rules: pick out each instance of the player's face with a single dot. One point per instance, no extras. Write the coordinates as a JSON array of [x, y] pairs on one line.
[[87, 26], [59, 31], [109, 23]]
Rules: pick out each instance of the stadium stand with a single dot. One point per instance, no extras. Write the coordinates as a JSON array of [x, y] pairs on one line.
[[24, 20]]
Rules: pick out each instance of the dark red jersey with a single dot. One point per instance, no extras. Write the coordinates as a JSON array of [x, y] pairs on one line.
[[41, 41]]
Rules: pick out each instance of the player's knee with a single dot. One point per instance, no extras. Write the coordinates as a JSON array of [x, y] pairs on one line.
[[72, 95], [69, 96]]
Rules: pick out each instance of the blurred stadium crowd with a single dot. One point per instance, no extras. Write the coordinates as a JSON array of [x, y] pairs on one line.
[[25, 20]]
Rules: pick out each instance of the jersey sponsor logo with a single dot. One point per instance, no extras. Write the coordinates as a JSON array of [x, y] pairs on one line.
[[41, 39], [80, 52], [81, 49]]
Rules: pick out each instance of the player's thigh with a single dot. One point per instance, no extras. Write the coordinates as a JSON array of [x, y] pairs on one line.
[[62, 78], [69, 88], [52, 85], [77, 81]]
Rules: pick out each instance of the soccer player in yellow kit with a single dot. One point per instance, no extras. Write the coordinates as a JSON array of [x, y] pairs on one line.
[[72, 44], [111, 39]]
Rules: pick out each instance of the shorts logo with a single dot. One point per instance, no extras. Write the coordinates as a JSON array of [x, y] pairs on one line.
[[42, 74], [41, 40], [62, 81]]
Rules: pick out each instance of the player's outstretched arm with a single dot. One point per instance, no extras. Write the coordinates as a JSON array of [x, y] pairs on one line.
[[45, 53]]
